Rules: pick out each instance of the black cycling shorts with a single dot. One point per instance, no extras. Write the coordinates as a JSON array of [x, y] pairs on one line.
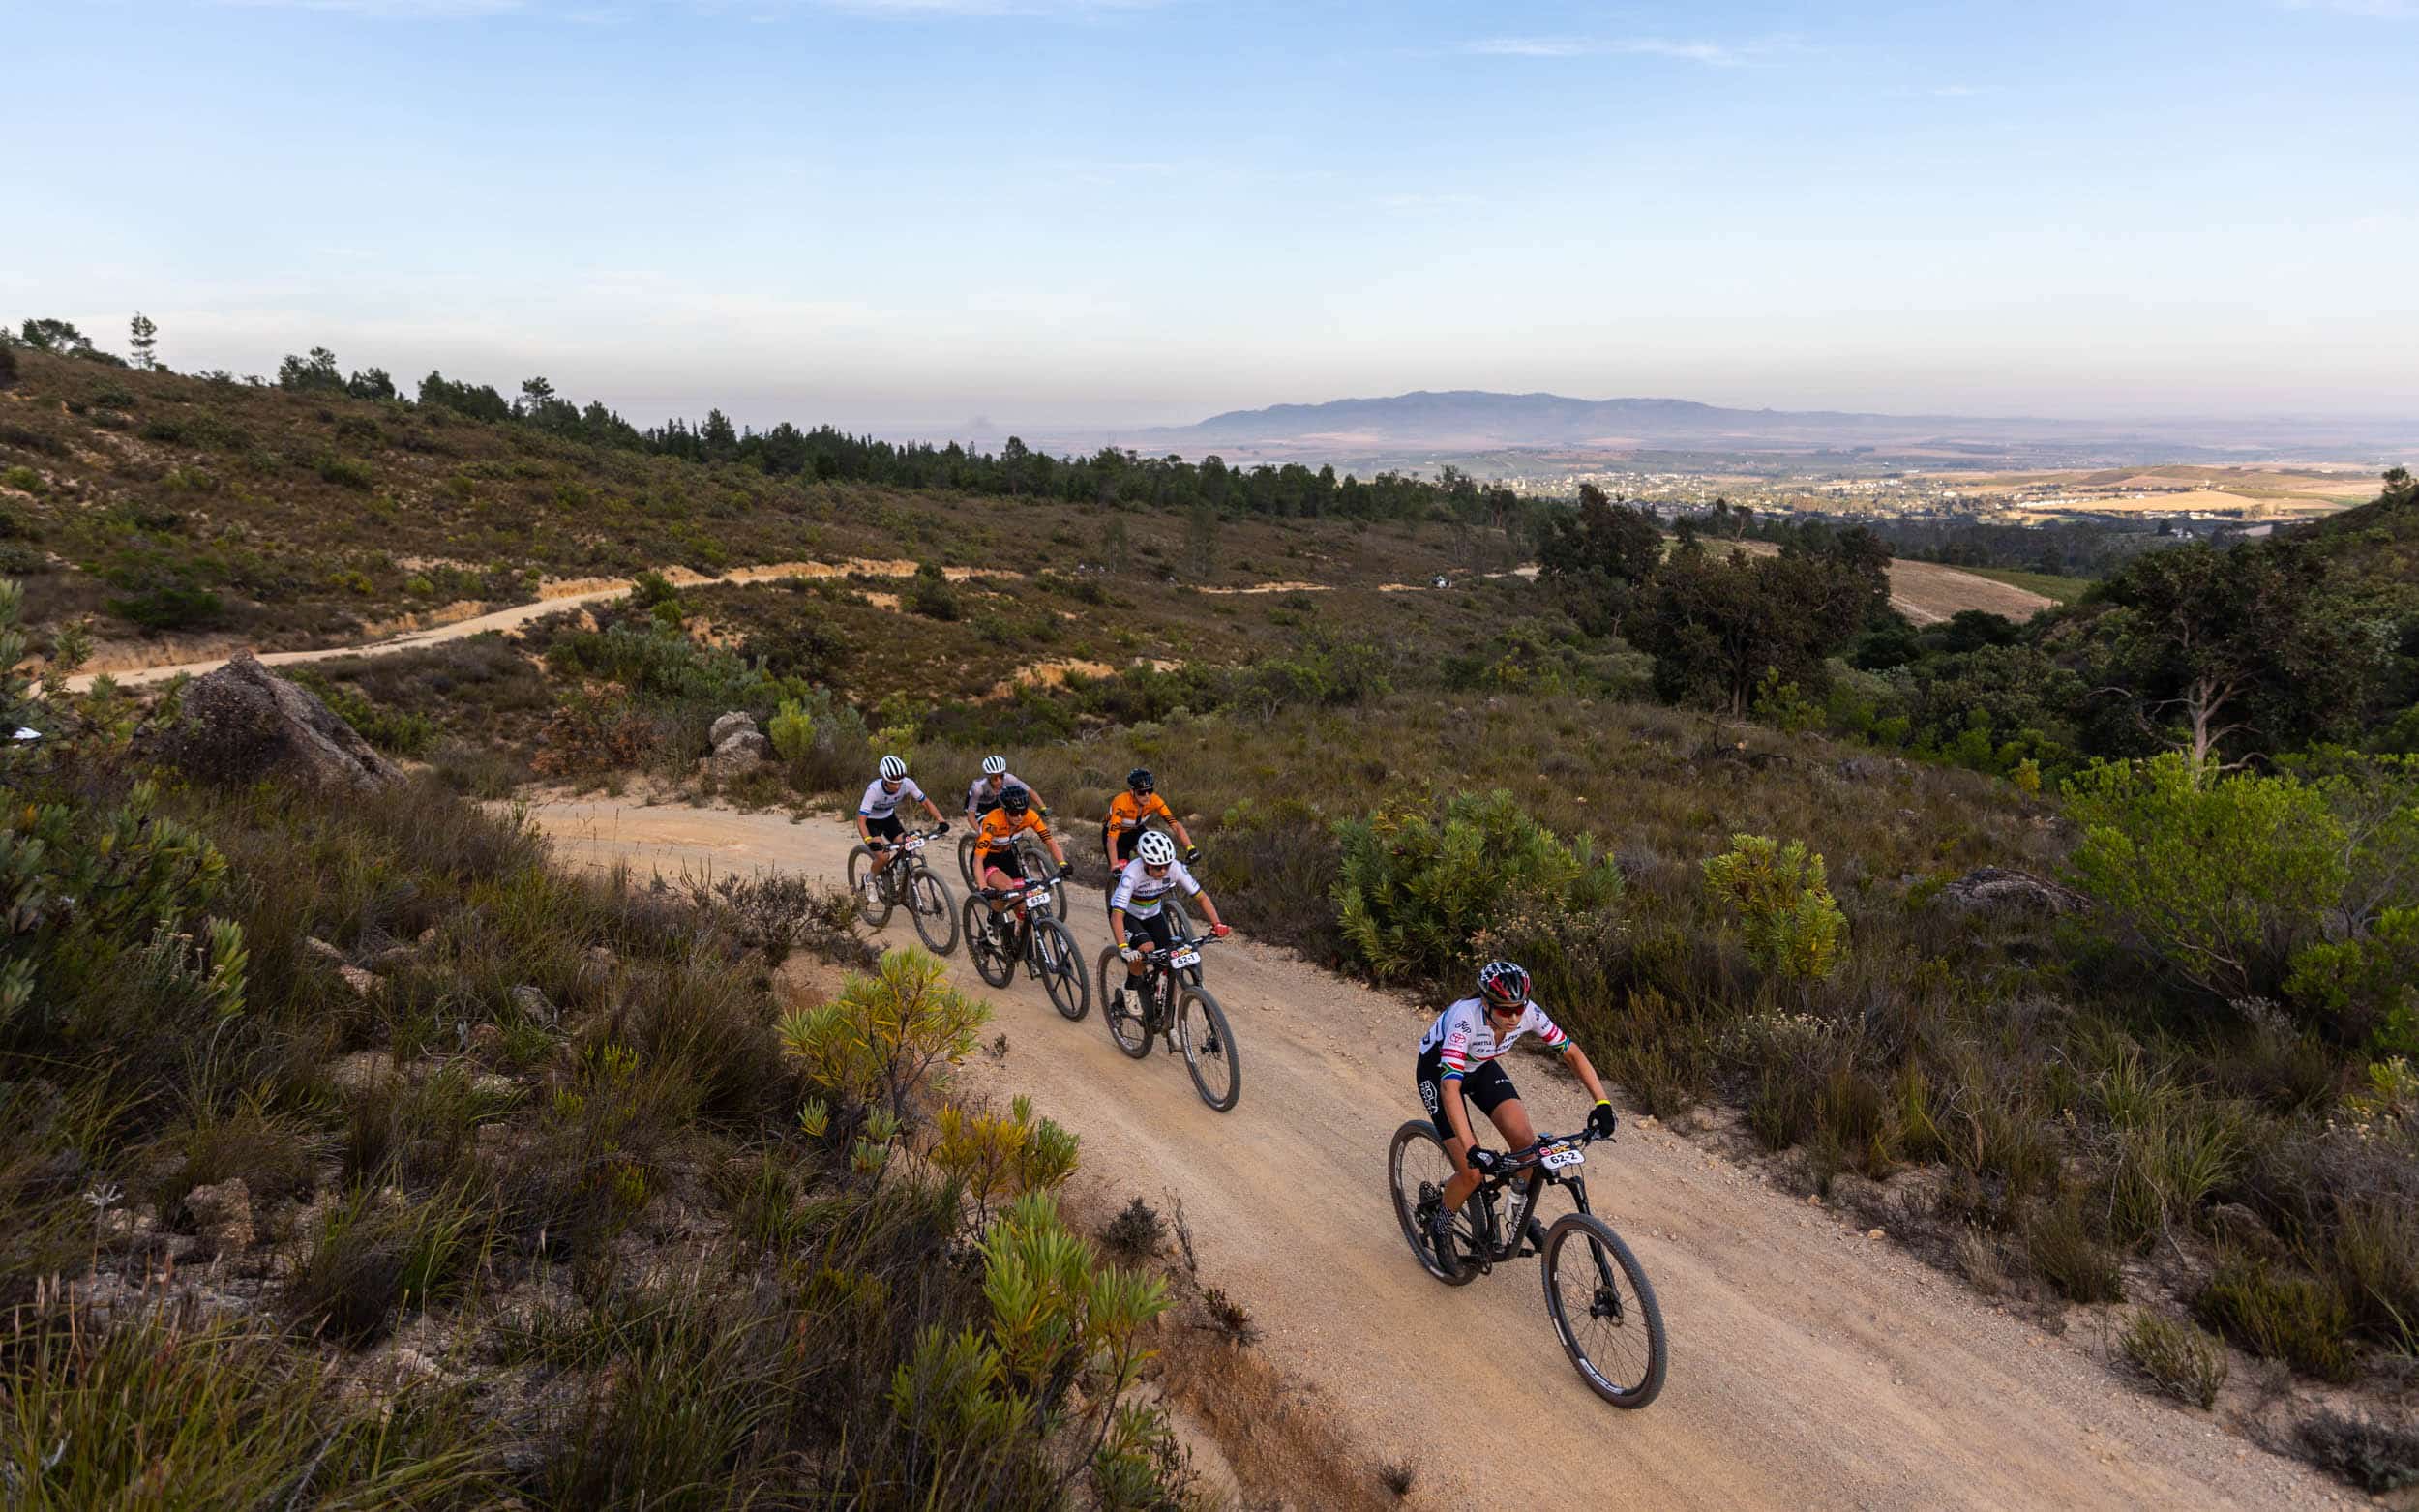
[[1008, 859], [890, 828], [1158, 928], [1121, 844], [1486, 1088]]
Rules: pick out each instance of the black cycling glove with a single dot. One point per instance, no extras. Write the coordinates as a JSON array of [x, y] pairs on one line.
[[942, 828], [1601, 1120], [1484, 1161], [1192, 855]]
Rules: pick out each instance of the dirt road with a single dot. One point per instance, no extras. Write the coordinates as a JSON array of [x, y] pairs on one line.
[[1811, 1367], [1927, 593], [560, 596]]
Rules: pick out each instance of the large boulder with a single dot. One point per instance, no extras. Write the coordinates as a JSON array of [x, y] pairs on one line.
[[244, 722], [727, 725], [741, 752]]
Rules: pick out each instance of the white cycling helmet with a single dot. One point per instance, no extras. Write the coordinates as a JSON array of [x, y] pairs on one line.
[[892, 769], [1154, 848], [993, 766]]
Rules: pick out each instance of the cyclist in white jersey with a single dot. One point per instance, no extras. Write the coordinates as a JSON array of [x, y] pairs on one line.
[[1138, 904], [1458, 1065], [983, 795], [878, 821]]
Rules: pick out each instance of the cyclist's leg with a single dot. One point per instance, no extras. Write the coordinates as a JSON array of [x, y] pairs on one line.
[[1511, 1118], [1159, 928], [1428, 1074], [889, 829]]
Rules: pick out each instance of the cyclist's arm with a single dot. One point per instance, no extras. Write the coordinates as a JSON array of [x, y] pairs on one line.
[[1056, 854], [1577, 1059], [1176, 826], [1200, 896], [934, 810], [864, 831]]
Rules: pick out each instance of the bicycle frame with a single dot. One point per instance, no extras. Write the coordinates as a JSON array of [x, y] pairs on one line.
[[1160, 981], [1499, 1224]]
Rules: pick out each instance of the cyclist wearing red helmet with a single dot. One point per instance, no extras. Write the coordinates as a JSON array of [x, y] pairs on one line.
[[1458, 1066]]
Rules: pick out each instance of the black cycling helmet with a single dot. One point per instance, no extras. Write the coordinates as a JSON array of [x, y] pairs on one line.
[[1140, 780], [1504, 984], [1015, 798]]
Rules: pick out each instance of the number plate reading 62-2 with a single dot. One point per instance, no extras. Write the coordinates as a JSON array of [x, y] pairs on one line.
[[1185, 958], [1557, 1159], [913, 844]]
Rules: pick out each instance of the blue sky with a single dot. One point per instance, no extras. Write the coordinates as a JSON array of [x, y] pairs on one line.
[[1054, 212]]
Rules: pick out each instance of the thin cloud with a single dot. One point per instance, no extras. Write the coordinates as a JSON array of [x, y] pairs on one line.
[[2374, 10], [1714, 54], [404, 10]]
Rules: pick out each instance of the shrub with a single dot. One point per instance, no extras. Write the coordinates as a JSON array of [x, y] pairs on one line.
[[2366, 988], [2377, 1457], [2218, 877], [1413, 888], [2175, 1357], [170, 606], [932, 595], [24, 479], [2294, 1318], [376, 1254], [2059, 1242], [792, 730], [885, 1034], [1794, 928], [347, 472]]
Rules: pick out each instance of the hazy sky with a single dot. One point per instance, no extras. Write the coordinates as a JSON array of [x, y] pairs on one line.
[[1049, 212]]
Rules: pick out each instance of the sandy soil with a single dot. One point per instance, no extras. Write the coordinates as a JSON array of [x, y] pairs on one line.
[[1811, 1366]]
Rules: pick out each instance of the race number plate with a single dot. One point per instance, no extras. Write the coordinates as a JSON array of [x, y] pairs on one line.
[[1184, 958], [912, 844], [1558, 1158], [1039, 897]]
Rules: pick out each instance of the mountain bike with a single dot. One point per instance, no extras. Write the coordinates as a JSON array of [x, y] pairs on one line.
[[1603, 1309], [1172, 1003], [1047, 946], [908, 880]]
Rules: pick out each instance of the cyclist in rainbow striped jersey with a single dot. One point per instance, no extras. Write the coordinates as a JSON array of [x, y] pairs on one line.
[[1138, 904], [1459, 1065]]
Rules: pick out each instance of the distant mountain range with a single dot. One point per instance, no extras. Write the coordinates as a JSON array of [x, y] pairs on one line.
[[1471, 422]]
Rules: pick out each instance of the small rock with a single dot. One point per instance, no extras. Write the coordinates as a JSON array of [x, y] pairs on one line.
[[223, 1213], [428, 936], [729, 724], [1996, 888], [534, 1002], [1813, 1200], [486, 1039], [322, 949], [361, 1070], [1703, 1120], [363, 982], [1875, 1233]]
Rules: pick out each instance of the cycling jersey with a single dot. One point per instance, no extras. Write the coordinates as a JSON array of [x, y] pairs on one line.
[[982, 797], [1128, 814], [998, 829], [1139, 894], [880, 805], [1464, 1038]]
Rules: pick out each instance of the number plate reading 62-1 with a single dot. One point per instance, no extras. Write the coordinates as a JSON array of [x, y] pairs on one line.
[[1557, 1159], [1039, 897], [1185, 958]]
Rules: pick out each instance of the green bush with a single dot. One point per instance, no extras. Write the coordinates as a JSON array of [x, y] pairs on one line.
[[1414, 887], [170, 606], [2218, 877], [932, 595], [792, 730], [2298, 1320], [1794, 928], [2175, 1357], [24, 479], [2375, 1456], [347, 472], [2367, 988]]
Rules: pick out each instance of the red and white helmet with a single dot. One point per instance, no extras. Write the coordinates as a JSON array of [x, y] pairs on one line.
[[1504, 984]]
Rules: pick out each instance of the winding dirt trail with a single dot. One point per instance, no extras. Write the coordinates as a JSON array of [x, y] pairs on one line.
[[563, 595], [1811, 1367]]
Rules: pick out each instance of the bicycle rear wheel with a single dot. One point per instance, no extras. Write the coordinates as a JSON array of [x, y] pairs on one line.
[[1604, 1310], [871, 905], [1125, 1024], [1182, 923], [992, 961], [934, 911], [1209, 1045], [1417, 1169], [1061, 969], [966, 861]]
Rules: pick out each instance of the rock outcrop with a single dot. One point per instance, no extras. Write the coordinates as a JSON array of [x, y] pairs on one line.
[[244, 722], [1994, 888]]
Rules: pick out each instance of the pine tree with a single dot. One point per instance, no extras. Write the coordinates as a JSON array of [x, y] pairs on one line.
[[142, 335]]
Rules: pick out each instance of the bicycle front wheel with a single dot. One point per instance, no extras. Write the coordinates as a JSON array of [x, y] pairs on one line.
[[1127, 1024], [1604, 1310], [1209, 1045], [871, 905], [991, 958], [1417, 1169], [1061, 969], [933, 910]]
